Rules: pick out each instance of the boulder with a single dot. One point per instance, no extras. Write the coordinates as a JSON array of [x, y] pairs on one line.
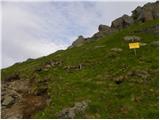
[[122, 22]]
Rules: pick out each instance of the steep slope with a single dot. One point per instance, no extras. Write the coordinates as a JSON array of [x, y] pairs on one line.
[[99, 79]]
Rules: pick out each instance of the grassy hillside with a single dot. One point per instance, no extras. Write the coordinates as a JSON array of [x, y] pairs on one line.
[[117, 84]]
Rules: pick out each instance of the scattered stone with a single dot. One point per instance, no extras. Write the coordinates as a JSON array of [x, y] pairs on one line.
[[116, 50], [143, 44], [99, 46], [143, 74], [132, 38], [70, 113], [80, 106], [139, 73], [67, 113], [8, 100]]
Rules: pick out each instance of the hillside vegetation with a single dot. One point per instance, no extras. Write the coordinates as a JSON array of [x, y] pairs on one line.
[[103, 78]]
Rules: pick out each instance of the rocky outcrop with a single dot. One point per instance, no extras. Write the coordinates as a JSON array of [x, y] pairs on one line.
[[103, 30], [148, 12], [122, 22], [78, 42]]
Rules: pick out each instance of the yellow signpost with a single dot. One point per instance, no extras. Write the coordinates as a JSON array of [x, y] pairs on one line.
[[134, 45]]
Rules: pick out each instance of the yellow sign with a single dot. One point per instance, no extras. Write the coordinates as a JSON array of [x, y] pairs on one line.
[[134, 45]]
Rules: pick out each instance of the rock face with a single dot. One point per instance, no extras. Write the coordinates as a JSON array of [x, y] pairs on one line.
[[148, 12], [122, 22]]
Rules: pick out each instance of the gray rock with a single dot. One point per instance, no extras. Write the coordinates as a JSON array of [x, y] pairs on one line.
[[131, 38], [127, 20], [116, 50], [143, 44], [148, 12], [100, 46], [104, 28], [8, 100], [70, 113], [136, 12], [67, 113], [122, 22], [78, 42], [80, 106], [139, 73]]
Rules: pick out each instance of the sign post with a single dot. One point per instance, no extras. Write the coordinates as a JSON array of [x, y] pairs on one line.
[[134, 42], [134, 46]]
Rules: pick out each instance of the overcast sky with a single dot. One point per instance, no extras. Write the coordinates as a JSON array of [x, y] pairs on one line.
[[34, 29]]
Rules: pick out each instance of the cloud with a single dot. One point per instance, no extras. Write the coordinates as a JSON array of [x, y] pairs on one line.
[[19, 40], [34, 29]]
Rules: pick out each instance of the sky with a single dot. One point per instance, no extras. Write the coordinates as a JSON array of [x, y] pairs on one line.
[[31, 29]]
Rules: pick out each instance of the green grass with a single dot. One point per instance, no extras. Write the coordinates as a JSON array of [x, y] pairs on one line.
[[95, 81]]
